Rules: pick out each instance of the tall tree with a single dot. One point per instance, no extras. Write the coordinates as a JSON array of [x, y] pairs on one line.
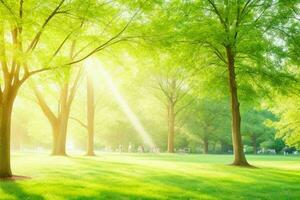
[[174, 84], [237, 36], [90, 114], [59, 117], [14, 64]]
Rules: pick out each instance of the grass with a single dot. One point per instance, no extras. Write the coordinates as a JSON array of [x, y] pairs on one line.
[[149, 176]]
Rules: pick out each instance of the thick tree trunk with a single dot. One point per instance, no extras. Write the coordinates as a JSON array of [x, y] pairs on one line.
[[239, 156], [55, 134], [205, 146], [63, 122], [5, 131], [5, 122], [62, 137], [171, 116], [90, 116]]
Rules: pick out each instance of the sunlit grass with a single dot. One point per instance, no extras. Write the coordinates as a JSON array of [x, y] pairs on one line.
[[150, 176]]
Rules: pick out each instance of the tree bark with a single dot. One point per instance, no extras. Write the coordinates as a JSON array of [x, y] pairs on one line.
[[239, 156], [60, 133], [5, 132], [63, 121], [90, 116], [171, 116], [62, 137], [58, 123], [55, 134]]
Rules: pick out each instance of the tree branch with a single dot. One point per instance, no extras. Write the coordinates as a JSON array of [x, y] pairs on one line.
[[79, 122], [35, 40], [109, 42]]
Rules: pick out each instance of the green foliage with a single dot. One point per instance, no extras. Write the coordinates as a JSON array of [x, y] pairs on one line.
[[254, 127], [287, 125], [208, 121], [144, 45]]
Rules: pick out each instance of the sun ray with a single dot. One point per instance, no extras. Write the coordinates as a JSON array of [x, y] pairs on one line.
[[98, 68]]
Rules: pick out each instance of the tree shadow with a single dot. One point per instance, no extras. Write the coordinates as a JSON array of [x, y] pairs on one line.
[[101, 178], [12, 188], [175, 185]]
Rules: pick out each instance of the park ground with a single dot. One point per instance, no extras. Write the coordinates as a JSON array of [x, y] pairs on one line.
[[152, 176]]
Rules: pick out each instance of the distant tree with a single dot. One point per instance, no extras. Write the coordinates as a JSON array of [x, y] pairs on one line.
[[254, 128], [174, 84], [90, 113], [274, 143], [206, 122]]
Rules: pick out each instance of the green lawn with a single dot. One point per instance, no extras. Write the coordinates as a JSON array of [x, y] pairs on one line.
[[149, 176]]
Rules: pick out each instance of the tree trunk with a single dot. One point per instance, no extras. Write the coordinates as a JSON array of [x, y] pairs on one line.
[[224, 147], [239, 156], [171, 123], [63, 122], [55, 134], [254, 144], [5, 131], [90, 116], [62, 137], [205, 146]]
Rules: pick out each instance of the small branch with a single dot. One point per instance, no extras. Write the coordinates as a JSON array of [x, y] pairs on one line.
[[212, 3], [79, 122], [109, 42], [74, 87]]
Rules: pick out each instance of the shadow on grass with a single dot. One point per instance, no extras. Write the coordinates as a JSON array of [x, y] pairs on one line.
[[112, 195], [144, 177], [117, 180], [12, 188]]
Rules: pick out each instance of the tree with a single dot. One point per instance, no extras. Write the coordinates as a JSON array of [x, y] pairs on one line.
[[207, 121], [287, 125], [90, 110], [235, 35], [174, 84], [14, 65], [277, 144], [90, 114], [254, 128], [59, 118]]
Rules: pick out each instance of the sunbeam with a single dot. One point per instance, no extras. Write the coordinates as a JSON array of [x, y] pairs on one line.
[[97, 67]]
